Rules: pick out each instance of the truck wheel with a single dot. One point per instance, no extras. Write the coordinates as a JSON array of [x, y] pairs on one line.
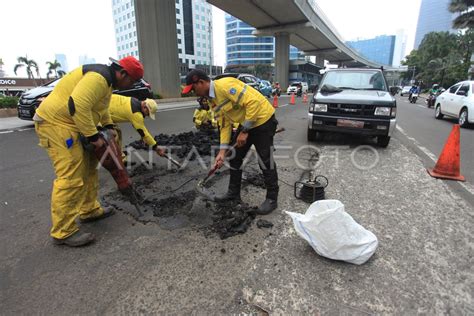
[[438, 114], [383, 141], [311, 135]]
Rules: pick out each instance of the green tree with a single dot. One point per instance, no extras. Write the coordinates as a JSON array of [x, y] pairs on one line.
[[53, 67], [466, 14], [263, 71], [29, 64], [442, 57]]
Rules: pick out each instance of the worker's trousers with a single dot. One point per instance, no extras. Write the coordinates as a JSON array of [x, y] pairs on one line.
[[76, 184], [262, 138]]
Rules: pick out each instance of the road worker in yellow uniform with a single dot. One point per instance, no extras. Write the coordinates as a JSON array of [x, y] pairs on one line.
[[203, 117], [233, 101], [73, 110], [128, 109]]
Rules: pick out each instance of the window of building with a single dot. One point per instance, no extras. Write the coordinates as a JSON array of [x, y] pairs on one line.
[[127, 5], [199, 54], [203, 10], [134, 23], [179, 31], [179, 41], [129, 25], [177, 11], [198, 35], [133, 13], [120, 19], [177, 1], [204, 55], [204, 45], [192, 61], [128, 15], [135, 33], [180, 51], [178, 21], [203, 18], [197, 26], [198, 44]]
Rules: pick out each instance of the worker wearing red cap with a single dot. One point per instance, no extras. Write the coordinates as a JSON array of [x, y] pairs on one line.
[[233, 101], [74, 109]]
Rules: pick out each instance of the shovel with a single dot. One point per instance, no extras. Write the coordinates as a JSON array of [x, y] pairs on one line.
[[200, 186]]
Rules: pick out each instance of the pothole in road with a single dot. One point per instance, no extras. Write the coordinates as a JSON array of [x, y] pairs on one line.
[[171, 201]]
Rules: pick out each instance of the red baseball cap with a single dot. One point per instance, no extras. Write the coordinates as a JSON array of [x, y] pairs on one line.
[[192, 77], [131, 65]]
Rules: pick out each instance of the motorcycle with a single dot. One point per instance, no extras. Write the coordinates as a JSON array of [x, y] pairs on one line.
[[431, 100], [299, 92], [276, 91], [414, 97]]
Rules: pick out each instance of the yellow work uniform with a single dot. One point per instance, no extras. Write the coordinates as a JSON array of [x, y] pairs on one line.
[[233, 102], [126, 109], [202, 116], [77, 104]]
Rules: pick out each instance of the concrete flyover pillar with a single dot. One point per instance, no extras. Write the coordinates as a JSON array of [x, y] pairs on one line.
[[157, 45], [282, 58]]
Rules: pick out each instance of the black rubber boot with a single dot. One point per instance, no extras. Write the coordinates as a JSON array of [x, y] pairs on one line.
[[267, 207], [233, 192]]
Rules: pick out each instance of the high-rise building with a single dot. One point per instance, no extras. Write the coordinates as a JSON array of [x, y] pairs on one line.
[[379, 49], [193, 22], [62, 59], [243, 48], [434, 16], [84, 60], [399, 50]]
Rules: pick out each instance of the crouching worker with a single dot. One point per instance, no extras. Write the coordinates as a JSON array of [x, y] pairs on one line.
[[203, 117], [232, 101], [77, 105], [131, 110]]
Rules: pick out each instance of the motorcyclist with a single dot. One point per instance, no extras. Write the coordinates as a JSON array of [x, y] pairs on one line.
[[414, 90], [433, 93]]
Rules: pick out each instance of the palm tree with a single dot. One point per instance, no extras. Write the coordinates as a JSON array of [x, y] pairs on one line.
[[466, 14], [53, 67], [29, 64]]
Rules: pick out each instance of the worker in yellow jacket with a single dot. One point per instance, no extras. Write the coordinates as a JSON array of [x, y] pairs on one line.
[[127, 109], [203, 117], [74, 109], [233, 101]]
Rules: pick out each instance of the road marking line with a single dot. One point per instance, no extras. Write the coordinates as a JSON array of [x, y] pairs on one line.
[[469, 187], [283, 105], [6, 132], [25, 129]]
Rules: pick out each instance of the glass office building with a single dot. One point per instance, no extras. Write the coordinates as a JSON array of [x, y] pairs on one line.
[[434, 16], [243, 48], [379, 49]]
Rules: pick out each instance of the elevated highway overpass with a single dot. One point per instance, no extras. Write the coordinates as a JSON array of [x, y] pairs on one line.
[[300, 23]]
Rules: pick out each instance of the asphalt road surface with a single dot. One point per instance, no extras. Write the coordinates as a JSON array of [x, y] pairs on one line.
[[423, 263]]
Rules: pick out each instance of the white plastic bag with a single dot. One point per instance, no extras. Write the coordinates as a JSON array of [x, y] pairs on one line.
[[333, 233]]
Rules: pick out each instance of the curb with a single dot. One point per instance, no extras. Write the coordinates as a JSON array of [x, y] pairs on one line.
[[173, 100], [10, 112]]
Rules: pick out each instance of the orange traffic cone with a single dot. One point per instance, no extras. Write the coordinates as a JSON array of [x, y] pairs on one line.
[[292, 100], [275, 101], [448, 165], [305, 98]]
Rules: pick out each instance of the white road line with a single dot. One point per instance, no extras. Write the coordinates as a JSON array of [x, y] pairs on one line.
[[25, 129], [467, 186], [6, 132], [283, 105]]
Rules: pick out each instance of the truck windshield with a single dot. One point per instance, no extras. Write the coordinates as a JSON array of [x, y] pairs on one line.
[[356, 80]]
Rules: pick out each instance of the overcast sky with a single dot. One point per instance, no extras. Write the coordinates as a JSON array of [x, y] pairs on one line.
[[42, 28]]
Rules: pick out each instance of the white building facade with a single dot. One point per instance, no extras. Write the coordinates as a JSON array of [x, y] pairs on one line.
[[193, 27]]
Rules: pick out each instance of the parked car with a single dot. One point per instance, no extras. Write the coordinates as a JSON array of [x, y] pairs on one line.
[[293, 87], [31, 99], [250, 80], [353, 101], [457, 102], [265, 88], [405, 90]]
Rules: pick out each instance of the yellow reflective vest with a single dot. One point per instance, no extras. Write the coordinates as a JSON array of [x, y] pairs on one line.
[[236, 102], [126, 109], [80, 100], [202, 116]]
